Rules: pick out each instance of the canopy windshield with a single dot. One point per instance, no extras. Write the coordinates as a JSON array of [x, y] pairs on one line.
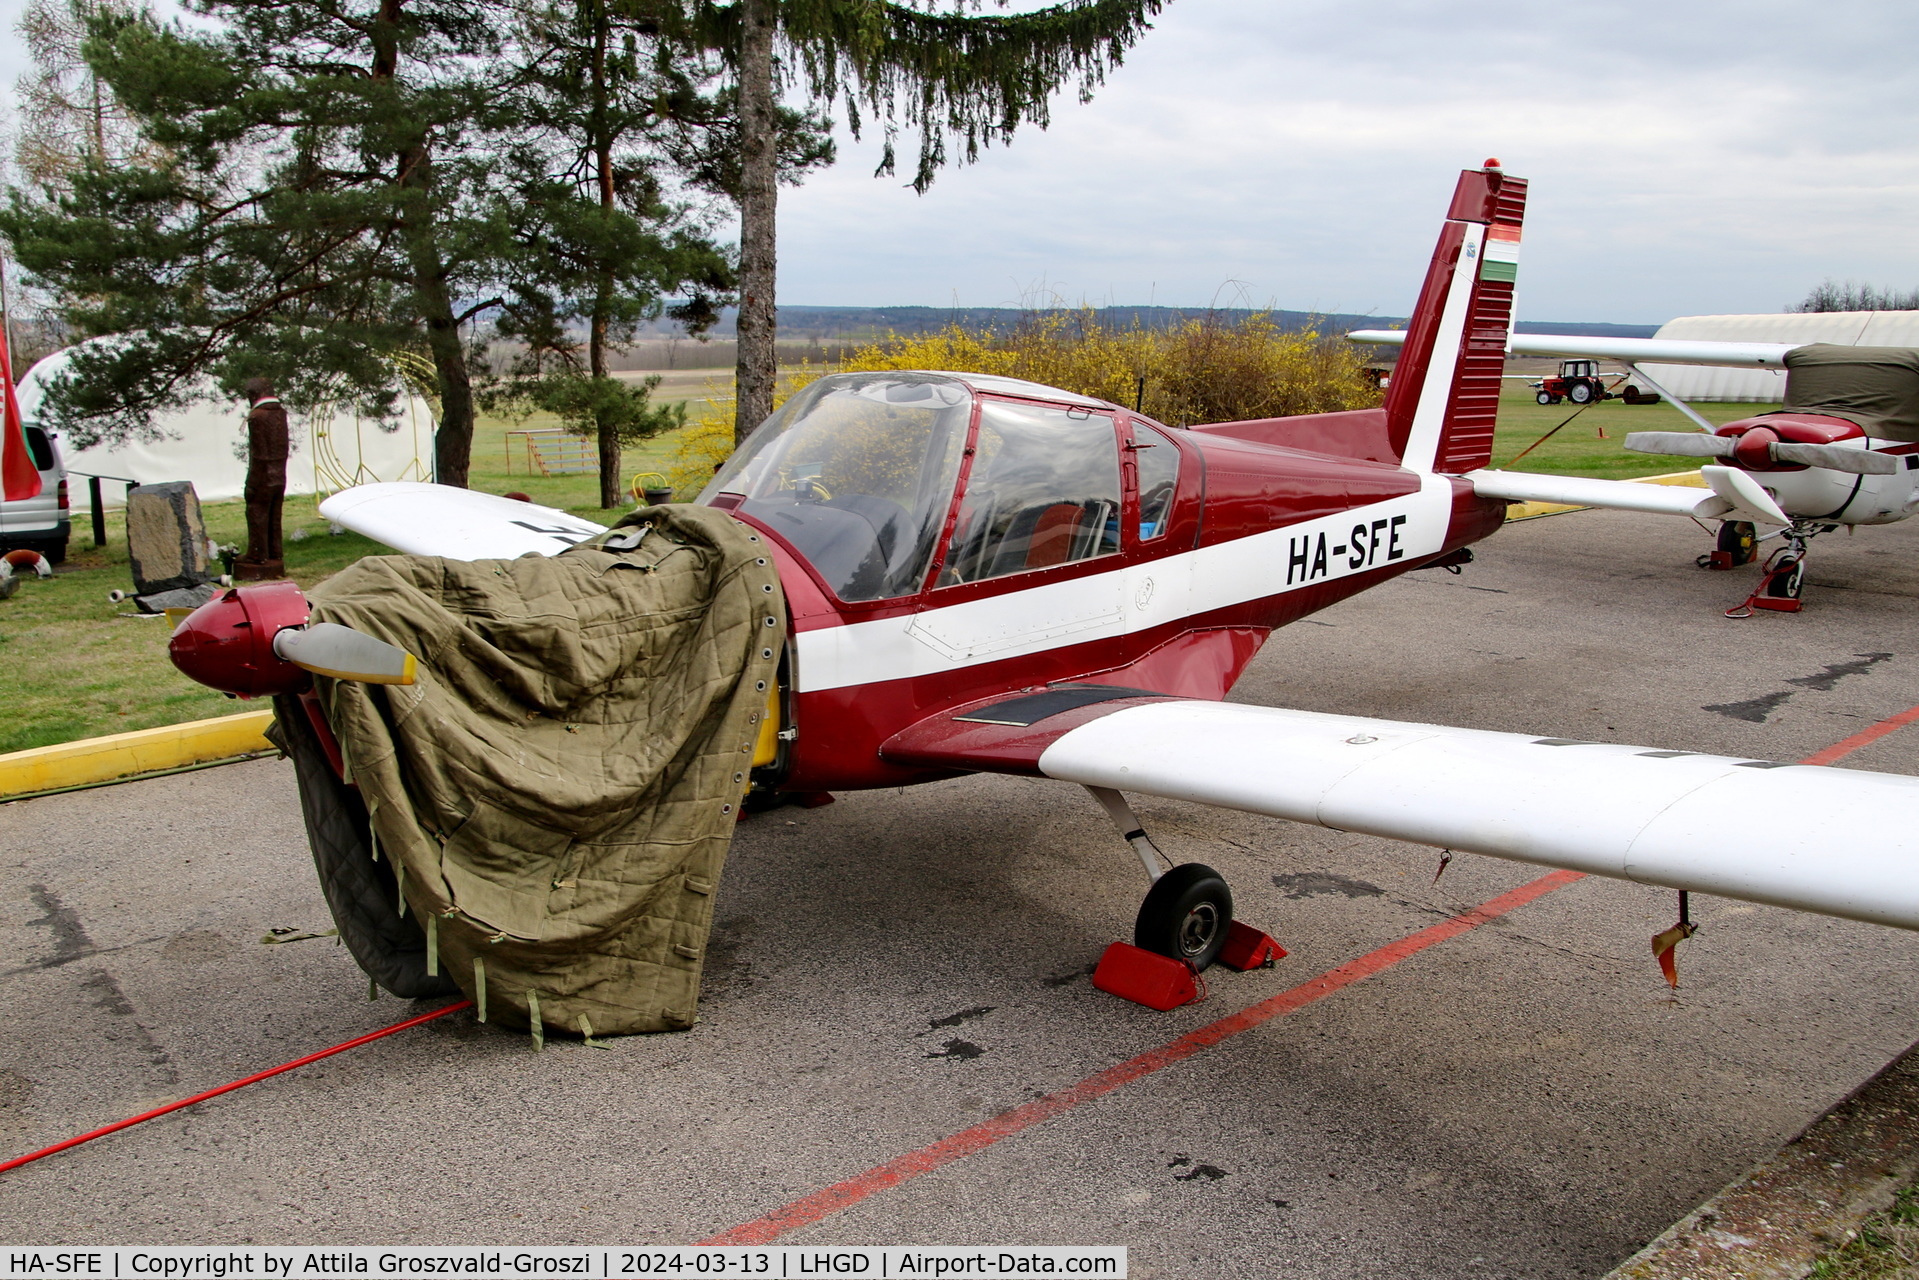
[[856, 472]]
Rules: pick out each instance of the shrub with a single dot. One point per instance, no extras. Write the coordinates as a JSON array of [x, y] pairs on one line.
[[1201, 370]]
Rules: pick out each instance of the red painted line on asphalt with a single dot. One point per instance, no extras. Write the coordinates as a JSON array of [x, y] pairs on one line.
[[844, 1195], [1865, 737], [229, 1087]]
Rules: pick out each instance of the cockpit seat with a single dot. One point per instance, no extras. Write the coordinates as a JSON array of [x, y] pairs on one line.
[[1050, 540]]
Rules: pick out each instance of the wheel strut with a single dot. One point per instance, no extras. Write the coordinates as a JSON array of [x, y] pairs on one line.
[[1131, 831]]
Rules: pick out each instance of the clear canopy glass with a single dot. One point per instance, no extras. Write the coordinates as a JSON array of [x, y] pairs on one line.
[[1044, 491], [856, 472]]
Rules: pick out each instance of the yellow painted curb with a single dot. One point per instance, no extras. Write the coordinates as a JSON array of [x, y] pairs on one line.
[[1530, 510], [76, 764]]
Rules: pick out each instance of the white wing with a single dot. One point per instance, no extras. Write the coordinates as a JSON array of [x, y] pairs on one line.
[[1842, 842], [439, 520], [1736, 355]]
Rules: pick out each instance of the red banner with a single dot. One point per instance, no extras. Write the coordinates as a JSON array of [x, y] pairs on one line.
[[19, 478]]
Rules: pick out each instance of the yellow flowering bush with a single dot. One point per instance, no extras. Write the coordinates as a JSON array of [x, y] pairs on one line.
[[1201, 370]]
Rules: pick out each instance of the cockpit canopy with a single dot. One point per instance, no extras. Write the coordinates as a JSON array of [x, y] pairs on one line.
[[857, 473]]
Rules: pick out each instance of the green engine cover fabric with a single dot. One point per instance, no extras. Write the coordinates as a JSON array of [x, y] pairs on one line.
[[561, 784], [1875, 387]]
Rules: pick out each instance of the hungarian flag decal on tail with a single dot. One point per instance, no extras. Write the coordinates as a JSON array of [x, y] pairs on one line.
[[1499, 258], [19, 478]]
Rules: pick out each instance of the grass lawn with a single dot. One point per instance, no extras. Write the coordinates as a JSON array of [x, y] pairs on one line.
[[1885, 1248], [73, 665], [1578, 449]]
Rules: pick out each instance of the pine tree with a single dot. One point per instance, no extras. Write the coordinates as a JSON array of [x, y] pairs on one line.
[[306, 211], [66, 113], [599, 242], [943, 74]]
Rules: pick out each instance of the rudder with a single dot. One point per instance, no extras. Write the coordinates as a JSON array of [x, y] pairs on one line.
[[1444, 398]]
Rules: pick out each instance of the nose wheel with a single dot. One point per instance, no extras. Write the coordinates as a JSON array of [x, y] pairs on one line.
[[1186, 915], [1783, 581]]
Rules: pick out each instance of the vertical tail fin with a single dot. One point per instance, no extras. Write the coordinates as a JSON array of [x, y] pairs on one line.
[[1444, 397]]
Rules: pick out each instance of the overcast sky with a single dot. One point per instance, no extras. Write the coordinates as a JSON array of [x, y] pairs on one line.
[[1686, 157]]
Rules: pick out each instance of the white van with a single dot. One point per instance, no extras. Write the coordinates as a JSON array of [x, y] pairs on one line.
[[40, 523]]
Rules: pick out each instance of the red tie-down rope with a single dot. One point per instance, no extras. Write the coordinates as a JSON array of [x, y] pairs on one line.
[[229, 1087]]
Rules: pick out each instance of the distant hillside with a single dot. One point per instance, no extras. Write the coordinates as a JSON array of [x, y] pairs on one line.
[[818, 334], [856, 324]]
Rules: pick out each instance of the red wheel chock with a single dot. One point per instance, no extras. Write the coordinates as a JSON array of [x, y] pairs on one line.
[[1146, 977], [1163, 983], [1247, 948]]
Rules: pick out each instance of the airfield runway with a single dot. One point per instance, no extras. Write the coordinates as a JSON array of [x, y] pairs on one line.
[[1521, 1099]]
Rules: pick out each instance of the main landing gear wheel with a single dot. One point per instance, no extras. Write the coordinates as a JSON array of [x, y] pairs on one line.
[[1738, 545], [1186, 915], [1739, 539]]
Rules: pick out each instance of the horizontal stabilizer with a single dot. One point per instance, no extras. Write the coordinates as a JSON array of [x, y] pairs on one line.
[[1680, 444], [459, 524], [1864, 462], [1584, 491], [1830, 840], [1735, 494]]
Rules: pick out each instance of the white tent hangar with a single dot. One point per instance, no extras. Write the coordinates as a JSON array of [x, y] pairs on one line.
[[1768, 386], [206, 442]]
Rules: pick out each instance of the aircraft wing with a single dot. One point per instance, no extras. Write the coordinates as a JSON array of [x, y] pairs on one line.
[[459, 524], [1733, 355], [1836, 841]]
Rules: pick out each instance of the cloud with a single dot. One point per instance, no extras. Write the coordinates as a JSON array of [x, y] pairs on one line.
[[1685, 157]]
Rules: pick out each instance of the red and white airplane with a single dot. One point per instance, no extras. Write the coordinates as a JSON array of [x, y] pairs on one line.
[[987, 575], [1817, 471]]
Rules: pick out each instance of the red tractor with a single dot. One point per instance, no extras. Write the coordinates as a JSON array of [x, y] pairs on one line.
[[1579, 382]]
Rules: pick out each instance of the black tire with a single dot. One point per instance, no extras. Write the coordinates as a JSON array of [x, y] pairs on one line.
[[1580, 393], [1738, 539], [360, 892], [1546, 397], [1788, 579], [1186, 915]]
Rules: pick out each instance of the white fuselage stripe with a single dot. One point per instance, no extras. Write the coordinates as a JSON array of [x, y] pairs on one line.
[[1128, 599]]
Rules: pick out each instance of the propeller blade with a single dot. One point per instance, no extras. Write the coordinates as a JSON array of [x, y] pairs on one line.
[[1683, 444], [1864, 462], [329, 649]]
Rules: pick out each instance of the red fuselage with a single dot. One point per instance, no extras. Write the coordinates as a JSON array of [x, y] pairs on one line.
[[1236, 481]]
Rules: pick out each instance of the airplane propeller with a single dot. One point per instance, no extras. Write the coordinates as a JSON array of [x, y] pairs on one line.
[[329, 649], [1693, 444]]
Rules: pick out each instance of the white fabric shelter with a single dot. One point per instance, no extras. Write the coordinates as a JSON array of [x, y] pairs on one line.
[[1768, 386], [206, 442]]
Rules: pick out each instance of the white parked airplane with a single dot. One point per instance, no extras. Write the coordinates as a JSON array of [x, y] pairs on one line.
[[1843, 451]]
